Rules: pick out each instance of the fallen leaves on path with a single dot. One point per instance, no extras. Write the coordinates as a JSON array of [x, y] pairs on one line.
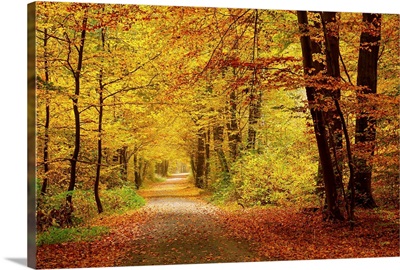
[[108, 251], [286, 234], [177, 227]]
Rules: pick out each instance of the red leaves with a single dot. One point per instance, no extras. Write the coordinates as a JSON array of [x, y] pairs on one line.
[[106, 252], [261, 63], [287, 235]]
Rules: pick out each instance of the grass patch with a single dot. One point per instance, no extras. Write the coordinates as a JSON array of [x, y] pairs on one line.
[[61, 235], [159, 179], [122, 199]]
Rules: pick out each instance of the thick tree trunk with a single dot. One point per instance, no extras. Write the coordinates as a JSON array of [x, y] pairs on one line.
[[319, 122], [75, 98], [165, 167], [367, 76], [331, 34]]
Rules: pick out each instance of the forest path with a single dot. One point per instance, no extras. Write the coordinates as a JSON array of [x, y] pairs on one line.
[[183, 229]]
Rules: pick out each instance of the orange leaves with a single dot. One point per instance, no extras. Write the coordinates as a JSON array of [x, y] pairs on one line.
[[261, 63], [104, 252], [288, 235]]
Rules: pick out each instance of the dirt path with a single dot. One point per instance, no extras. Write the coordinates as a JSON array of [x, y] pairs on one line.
[[178, 227], [183, 229]]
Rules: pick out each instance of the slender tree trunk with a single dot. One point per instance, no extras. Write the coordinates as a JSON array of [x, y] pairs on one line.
[[123, 162], [193, 163], [350, 207], [99, 153], [218, 141], [207, 153], [255, 98], [367, 77], [100, 136], [138, 179], [143, 164], [77, 77], [319, 122], [47, 121], [200, 159], [233, 127]]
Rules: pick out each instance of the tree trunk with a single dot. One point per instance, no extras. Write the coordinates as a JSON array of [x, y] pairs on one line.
[[99, 153], [165, 167], [233, 127], [333, 210], [218, 141], [138, 179], [331, 35], [200, 159], [255, 98], [319, 67], [143, 164], [193, 167], [367, 76], [77, 77], [99, 138], [47, 121], [207, 153], [123, 161]]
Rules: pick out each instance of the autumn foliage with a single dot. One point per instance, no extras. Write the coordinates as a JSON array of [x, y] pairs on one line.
[[262, 108]]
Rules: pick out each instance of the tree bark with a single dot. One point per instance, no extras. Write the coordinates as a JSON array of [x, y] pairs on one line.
[[233, 127], [333, 210], [99, 132], [47, 121], [367, 77], [331, 35], [207, 156], [218, 141], [123, 162], [255, 98], [75, 98], [200, 159], [138, 178]]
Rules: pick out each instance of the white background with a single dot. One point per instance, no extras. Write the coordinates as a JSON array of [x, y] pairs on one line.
[[13, 147]]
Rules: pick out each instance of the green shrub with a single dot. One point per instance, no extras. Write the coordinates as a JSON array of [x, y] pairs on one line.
[[61, 235], [121, 199], [273, 179], [113, 200]]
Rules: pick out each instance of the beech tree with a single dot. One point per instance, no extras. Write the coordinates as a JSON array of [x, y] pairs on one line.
[[319, 121], [223, 90], [367, 77], [76, 72]]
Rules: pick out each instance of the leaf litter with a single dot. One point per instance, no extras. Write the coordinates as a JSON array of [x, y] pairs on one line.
[[178, 227]]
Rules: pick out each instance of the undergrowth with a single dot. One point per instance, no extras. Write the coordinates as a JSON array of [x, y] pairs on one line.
[[117, 200], [61, 235]]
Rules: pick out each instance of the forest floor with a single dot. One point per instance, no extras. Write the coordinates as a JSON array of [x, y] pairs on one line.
[[178, 226]]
